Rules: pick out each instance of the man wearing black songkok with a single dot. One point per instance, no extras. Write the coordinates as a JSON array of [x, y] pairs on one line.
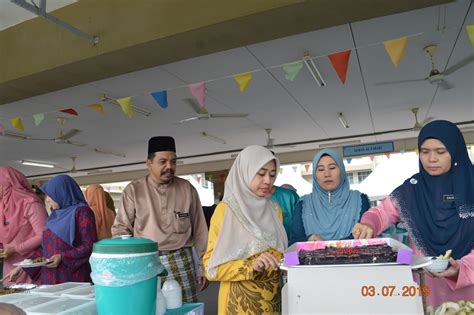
[[167, 210]]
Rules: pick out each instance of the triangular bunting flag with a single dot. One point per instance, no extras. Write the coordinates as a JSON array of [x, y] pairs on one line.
[[70, 111], [292, 70], [161, 97], [306, 167], [38, 119], [470, 33], [340, 61], [349, 160], [126, 104], [396, 49], [243, 79], [98, 108], [17, 123], [198, 179], [372, 157], [2, 130], [417, 152], [387, 154], [198, 90], [294, 168], [222, 178]]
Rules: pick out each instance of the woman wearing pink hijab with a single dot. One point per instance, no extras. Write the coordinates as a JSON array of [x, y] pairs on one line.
[[22, 219], [104, 217]]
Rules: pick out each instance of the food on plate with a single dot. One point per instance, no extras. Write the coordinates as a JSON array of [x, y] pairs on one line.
[[380, 253]]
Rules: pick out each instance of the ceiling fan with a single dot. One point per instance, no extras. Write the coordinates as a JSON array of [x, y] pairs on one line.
[[435, 76], [271, 141], [417, 126], [62, 138], [203, 114]]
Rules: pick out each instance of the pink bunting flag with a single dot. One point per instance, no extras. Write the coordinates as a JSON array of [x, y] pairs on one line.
[[387, 154], [372, 157], [340, 62], [306, 167], [198, 90], [2, 129], [198, 179]]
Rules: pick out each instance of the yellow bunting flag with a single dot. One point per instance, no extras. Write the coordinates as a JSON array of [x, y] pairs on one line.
[[417, 151], [243, 79], [470, 33], [17, 123], [126, 104], [98, 108], [396, 49]]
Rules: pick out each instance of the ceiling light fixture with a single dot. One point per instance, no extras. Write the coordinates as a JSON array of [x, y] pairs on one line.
[[35, 163], [213, 138], [308, 61], [135, 108], [343, 121]]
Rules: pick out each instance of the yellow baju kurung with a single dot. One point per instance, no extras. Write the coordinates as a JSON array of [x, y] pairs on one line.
[[243, 290]]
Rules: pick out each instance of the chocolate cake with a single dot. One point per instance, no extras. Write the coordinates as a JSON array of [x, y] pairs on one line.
[[348, 255]]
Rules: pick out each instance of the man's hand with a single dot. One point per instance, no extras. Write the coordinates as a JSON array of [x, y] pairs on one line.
[[7, 252], [54, 261], [314, 238]]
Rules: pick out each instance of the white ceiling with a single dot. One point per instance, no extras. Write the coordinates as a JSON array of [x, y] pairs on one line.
[[296, 111]]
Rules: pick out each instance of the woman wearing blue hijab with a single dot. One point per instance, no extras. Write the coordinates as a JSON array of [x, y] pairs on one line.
[[437, 205], [332, 209], [68, 236]]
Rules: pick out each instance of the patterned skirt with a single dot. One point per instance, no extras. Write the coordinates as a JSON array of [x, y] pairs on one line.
[[180, 266]]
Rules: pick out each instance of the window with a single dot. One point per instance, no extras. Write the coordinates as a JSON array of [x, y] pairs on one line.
[[363, 175], [350, 177]]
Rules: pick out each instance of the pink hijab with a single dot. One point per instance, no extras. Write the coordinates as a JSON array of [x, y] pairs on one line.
[[15, 196], [104, 217]]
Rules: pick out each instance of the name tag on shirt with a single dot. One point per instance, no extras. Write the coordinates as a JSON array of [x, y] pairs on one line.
[[448, 198], [180, 215]]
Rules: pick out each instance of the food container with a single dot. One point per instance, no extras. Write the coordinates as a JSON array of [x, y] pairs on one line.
[[63, 306], [381, 288], [31, 300], [86, 292], [58, 289], [124, 271]]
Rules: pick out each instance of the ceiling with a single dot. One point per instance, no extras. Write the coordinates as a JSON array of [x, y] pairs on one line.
[[297, 112]]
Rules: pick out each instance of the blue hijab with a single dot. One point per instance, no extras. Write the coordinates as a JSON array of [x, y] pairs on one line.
[[439, 210], [66, 192], [331, 215]]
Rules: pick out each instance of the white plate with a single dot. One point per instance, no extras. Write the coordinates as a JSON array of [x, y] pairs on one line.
[[32, 265]]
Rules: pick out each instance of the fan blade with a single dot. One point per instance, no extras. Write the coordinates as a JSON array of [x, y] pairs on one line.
[[459, 65], [186, 120], [445, 85], [109, 152], [230, 115], [71, 133], [196, 107], [75, 143], [399, 81]]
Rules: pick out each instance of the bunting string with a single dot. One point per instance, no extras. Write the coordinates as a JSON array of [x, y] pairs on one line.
[[160, 96]]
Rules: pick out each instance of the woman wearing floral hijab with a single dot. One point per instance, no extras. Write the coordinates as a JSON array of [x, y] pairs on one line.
[[68, 237], [437, 205], [247, 237], [22, 219], [104, 217]]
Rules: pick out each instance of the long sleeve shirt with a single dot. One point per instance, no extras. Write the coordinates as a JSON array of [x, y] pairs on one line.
[[27, 240], [441, 289], [169, 214]]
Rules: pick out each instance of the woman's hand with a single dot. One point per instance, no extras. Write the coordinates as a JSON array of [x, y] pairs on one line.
[[13, 274], [451, 272], [314, 238], [265, 261], [54, 261], [7, 252], [362, 230]]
